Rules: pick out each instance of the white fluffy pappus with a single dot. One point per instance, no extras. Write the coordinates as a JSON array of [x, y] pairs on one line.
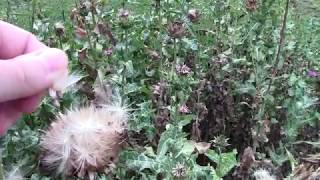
[[14, 174], [84, 141], [262, 174]]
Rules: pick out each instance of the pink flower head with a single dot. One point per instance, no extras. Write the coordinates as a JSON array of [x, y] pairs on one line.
[[183, 69], [108, 52], [312, 73], [184, 109], [157, 89]]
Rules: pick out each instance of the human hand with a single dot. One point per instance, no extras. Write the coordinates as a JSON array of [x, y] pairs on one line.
[[27, 69]]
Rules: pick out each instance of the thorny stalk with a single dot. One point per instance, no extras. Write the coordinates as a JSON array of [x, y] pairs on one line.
[[261, 111], [281, 42]]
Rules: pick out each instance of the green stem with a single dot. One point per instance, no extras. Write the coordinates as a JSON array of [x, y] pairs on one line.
[[281, 42], [60, 42], [62, 10], [93, 16], [8, 10], [34, 3], [1, 167], [126, 42]]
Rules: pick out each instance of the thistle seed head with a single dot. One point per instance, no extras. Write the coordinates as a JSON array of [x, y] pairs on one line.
[[84, 141]]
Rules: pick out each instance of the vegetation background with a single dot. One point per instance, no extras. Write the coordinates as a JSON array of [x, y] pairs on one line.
[[205, 80]]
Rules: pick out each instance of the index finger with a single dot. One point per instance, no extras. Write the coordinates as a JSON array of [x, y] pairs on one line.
[[15, 41]]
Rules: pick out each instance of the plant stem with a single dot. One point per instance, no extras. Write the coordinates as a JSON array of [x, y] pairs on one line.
[[34, 3], [92, 13], [281, 41], [1, 167], [8, 10], [62, 10]]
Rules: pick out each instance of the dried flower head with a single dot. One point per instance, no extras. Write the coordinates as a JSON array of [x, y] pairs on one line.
[[193, 15], [59, 29], [179, 171], [82, 54], [124, 18], [101, 28], [84, 141], [176, 29], [123, 13], [251, 5], [104, 29], [80, 33], [154, 55], [73, 14]]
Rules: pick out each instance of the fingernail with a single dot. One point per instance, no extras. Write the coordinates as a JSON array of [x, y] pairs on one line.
[[57, 60]]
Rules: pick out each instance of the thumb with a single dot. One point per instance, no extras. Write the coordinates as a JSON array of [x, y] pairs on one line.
[[30, 74]]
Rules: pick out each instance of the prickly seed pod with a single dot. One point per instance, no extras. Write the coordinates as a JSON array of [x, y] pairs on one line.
[[179, 170]]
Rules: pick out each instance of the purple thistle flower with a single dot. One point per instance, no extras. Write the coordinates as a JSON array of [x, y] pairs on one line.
[[108, 52], [184, 109], [312, 73], [183, 69], [157, 89]]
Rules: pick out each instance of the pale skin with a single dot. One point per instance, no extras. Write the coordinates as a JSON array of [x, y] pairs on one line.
[[27, 71]]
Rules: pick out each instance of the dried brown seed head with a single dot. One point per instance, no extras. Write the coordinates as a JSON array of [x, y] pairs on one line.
[[59, 29], [194, 15], [80, 33], [251, 5], [176, 29]]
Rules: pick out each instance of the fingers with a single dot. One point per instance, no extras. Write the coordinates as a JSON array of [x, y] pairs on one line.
[[30, 74], [8, 116], [15, 41], [28, 104]]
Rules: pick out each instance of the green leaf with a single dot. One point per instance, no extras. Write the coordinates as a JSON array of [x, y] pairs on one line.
[[142, 162], [225, 161], [186, 149], [246, 89]]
